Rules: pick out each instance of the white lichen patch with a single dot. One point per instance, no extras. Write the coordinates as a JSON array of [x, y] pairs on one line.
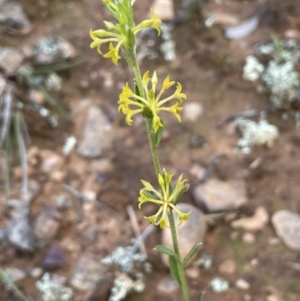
[[253, 69], [255, 133], [281, 50], [167, 46], [280, 76], [219, 285], [123, 284], [131, 278], [52, 50], [69, 145], [53, 82], [282, 80], [52, 291]]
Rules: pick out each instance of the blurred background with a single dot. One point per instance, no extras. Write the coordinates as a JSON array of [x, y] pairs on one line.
[[70, 167]]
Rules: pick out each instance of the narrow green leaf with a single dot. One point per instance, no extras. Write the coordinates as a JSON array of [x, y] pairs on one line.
[[149, 195], [159, 134], [54, 103], [136, 90], [200, 297], [4, 277], [191, 253], [130, 38], [59, 67], [165, 250], [174, 269]]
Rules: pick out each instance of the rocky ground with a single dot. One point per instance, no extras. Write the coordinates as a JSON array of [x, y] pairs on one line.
[[85, 163]]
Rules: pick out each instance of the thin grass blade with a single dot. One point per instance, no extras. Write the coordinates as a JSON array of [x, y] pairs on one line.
[[7, 104], [7, 281]]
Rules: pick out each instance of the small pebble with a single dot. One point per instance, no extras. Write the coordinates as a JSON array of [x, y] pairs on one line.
[[197, 171], [168, 286], [15, 274], [164, 9], [248, 238], [273, 241], [192, 111], [192, 273], [63, 202], [272, 298], [227, 267], [247, 297], [54, 259], [36, 272], [242, 284], [253, 223], [254, 262]]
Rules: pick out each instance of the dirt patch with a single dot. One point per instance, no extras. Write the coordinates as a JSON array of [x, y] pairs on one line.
[[209, 69]]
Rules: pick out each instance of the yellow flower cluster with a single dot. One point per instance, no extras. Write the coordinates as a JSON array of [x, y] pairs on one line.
[[128, 99], [166, 199], [118, 35]]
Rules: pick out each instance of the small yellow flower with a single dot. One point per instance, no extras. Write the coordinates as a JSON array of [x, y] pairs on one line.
[[128, 99], [122, 32], [113, 53], [154, 22], [102, 36], [166, 199]]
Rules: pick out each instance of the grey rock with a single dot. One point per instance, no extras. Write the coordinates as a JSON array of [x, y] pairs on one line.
[[91, 234], [15, 274], [13, 18], [287, 227], [254, 223], [50, 161], [54, 258], [88, 272], [63, 202], [2, 84], [52, 50], [102, 165], [215, 195], [168, 286], [2, 234], [19, 233], [97, 134], [189, 233], [10, 60], [46, 225]]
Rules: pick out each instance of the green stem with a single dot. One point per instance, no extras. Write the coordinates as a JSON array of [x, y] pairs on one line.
[[151, 136], [133, 63], [182, 278]]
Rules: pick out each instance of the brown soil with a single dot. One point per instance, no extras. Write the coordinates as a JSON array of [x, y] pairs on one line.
[[209, 68]]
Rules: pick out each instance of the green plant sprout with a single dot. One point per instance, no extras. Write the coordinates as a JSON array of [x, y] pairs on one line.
[[143, 99], [13, 128]]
